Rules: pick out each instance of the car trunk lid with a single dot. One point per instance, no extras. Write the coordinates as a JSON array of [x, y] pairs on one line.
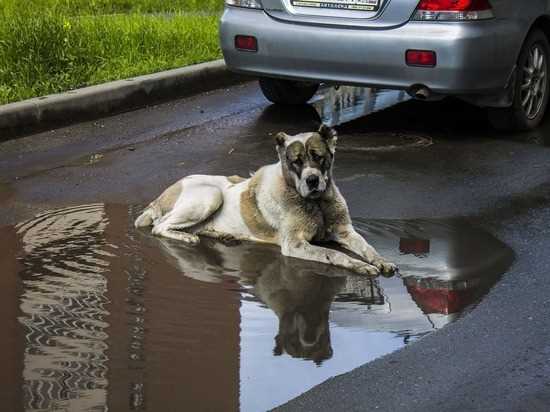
[[352, 13]]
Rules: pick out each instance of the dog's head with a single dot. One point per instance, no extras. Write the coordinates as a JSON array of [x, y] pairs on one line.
[[304, 335], [307, 160]]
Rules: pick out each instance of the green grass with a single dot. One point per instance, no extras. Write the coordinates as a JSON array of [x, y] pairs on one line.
[[80, 7], [48, 46]]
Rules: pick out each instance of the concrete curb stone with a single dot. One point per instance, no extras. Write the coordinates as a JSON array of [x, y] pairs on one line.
[[42, 113]]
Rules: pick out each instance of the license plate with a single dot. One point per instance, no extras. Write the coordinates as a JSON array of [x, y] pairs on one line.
[[360, 5]]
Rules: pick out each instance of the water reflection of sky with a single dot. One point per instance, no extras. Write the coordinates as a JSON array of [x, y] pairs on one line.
[[267, 381]]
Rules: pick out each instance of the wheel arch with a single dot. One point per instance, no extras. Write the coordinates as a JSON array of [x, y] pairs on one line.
[[542, 23], [504, 117]]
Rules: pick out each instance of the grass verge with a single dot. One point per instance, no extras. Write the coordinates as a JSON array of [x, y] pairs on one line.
[[75, 43]]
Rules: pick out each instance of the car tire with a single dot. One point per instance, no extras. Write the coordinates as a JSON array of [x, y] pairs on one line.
[[531, 88], [287, 92]]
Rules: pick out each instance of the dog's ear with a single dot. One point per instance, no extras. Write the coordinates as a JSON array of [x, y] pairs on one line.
[[330, 137], [280, 138]]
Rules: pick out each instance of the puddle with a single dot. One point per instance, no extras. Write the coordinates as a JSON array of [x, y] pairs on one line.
[[6, 192], [382, 142], [337, 105], [333, 106], [112, 318]]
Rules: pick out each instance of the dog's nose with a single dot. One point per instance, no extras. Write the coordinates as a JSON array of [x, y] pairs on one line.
[[312, 181]]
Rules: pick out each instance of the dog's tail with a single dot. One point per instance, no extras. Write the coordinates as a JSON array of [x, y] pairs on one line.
[[146, 218]]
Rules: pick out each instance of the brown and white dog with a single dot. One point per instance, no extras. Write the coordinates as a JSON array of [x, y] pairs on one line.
[[290, 203]]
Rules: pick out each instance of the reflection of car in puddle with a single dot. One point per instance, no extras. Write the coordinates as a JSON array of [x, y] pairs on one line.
[[337, 105], [464, 274], [333, 106], [445, 267]]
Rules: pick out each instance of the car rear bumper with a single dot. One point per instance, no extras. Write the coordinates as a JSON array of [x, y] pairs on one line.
[[472, 57]]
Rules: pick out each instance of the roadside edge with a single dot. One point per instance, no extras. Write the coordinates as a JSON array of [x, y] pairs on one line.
[[88, 103]]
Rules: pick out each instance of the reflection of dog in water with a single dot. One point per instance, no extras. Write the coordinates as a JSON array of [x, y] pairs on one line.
[[299, 292], [301, 300]]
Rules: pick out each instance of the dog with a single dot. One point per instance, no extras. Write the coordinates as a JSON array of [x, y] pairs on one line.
[[291, 203]]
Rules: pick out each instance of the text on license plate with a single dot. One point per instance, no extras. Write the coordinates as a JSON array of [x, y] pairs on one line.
[[363, 5]]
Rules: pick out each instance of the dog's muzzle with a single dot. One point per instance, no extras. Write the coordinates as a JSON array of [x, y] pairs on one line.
[[312, 184]]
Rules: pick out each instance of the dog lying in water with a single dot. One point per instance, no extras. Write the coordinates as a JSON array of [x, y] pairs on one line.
[[290, 203]]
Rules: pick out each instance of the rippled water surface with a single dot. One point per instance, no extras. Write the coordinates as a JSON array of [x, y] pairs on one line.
[[111, 318]]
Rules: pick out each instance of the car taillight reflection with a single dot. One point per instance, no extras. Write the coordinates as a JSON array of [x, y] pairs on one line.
[[436, 296], [444, 298], [414, 246]]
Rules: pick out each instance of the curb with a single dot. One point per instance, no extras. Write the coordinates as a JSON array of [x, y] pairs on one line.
[[41, 113]]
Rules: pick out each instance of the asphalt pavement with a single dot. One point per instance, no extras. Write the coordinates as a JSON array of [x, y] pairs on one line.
[[412, 160]]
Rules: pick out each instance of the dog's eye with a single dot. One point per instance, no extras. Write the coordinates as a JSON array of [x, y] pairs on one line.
[[316, 157], [298, 162]]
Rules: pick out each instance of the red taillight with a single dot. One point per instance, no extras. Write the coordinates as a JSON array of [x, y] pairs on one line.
[[454, 5], [247, 43], [424, 58], [453, 10]]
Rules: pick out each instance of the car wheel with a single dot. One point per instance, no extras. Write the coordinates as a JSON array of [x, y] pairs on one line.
[[531, 89], [287, 91]]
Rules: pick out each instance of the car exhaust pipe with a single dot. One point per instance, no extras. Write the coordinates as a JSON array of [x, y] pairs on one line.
[[420, 92]]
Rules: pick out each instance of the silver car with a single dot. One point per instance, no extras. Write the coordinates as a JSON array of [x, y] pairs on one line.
[[492, 53]]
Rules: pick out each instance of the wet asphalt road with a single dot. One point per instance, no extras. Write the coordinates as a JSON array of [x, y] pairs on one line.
[[414, 160]]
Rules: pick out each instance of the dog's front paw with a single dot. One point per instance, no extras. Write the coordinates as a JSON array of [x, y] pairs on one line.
[[366, 269], [385, 267], [188, 238]]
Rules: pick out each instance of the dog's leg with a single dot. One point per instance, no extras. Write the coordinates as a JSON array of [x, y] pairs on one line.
[[195, 205], [302, 249], [349, 239], [173, 232]]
